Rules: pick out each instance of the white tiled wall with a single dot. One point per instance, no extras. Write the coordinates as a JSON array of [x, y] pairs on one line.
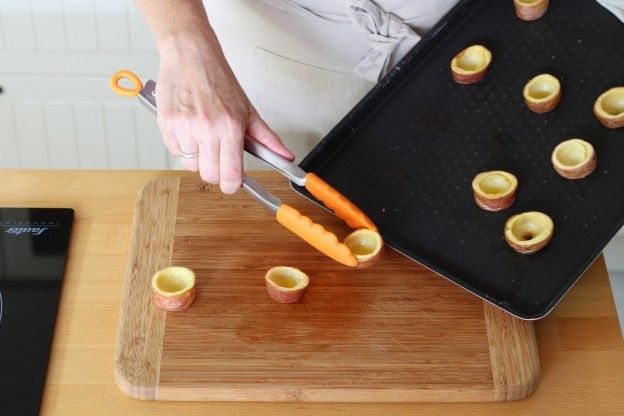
[[56, 109]]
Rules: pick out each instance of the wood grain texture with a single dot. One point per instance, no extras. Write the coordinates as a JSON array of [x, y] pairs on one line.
[[141, 324], [396, 332], [514, 355], [580, 345]]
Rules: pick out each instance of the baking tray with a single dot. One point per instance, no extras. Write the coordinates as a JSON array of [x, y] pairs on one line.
[[408, 151]]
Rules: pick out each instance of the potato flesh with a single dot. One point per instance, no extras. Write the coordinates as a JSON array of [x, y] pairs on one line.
[[283, 280], [572, 154], [362, 245], [613, 104], [541, 89], [172, 282], [471, 60], [494, 184], [527, 229]]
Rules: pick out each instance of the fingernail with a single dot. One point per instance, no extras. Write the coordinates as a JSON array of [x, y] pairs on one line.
[[229, 187]]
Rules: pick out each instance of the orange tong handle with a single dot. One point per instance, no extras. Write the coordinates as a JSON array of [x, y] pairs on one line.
[[342, 207], [129, 75], [315, 235]]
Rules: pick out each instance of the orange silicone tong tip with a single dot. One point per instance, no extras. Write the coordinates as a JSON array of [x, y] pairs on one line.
[[315, 235], [342, 207]]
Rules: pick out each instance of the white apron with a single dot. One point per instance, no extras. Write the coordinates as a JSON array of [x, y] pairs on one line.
[[298, 70], [305, 63]]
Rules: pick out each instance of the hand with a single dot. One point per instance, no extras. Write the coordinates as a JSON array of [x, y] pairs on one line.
[[203, 110]]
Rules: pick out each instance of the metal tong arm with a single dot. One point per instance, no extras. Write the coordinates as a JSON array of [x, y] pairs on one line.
[[258, 192]]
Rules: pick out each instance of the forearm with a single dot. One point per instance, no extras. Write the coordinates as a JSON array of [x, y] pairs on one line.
[[174, 22], [203, 113]]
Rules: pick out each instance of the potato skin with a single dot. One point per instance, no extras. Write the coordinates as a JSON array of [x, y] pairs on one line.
[[607, 120], [469, 78], [284, 297], [546, 106], [495, 205], [175, 303], [528, 248], [531, 12]]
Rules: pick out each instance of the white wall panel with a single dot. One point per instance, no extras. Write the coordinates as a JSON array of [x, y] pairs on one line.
[[57, 109], [45, 89], [18, 25], [49, 24], [140, 37], [2, 40], [31, 134], [121, 141], [112, 25], [76, 65], [62, 145], [152, 151], [81, 25], [91, 136], [9, 153]]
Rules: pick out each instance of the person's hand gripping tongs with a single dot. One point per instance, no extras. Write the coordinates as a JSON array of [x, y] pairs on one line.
[[314, 234]]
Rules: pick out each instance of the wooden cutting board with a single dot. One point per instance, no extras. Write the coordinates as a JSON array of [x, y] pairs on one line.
[[397, 332]]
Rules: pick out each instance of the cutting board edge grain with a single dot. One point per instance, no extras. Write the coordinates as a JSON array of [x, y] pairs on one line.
[[513, 352], [141, 325], [511, 342]]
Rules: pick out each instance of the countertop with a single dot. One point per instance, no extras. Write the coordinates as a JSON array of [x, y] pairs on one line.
[[580, 344]]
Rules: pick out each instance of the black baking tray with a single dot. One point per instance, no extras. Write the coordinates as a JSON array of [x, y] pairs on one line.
[[408, 151]]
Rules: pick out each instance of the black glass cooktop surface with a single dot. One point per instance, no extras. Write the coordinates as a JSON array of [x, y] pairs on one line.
[[33, 250]]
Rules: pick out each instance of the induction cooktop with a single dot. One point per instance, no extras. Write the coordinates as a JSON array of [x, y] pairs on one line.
[[33, 251]]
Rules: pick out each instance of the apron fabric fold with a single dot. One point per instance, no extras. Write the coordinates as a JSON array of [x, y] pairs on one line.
[[389, 38], [614, 6]]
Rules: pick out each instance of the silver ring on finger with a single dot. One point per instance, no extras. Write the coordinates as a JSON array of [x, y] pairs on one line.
[[185, 155]]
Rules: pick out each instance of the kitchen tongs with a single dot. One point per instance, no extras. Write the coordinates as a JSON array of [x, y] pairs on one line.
[[314, 234]]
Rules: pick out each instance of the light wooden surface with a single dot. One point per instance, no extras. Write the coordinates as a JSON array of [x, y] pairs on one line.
[[580, 346], [141, 328], [396, 332]]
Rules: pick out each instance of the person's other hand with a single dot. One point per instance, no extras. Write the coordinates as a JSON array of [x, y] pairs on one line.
[[203, 111]]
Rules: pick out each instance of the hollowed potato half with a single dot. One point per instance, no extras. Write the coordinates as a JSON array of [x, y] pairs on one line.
[[574, 159], [542, 93], [494, 190], [366, 245], [286, 284], [529, 232], [531, 9], [471, 64], [174, 288], [609, 108]]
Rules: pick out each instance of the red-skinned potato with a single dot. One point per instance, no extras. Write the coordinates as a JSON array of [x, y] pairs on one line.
[[530, 10], [174, 288], [367, 246], [609, 108], [542, 93], [494, 190], [529, 232], [574, 159], [471, 64], [286, 284]]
